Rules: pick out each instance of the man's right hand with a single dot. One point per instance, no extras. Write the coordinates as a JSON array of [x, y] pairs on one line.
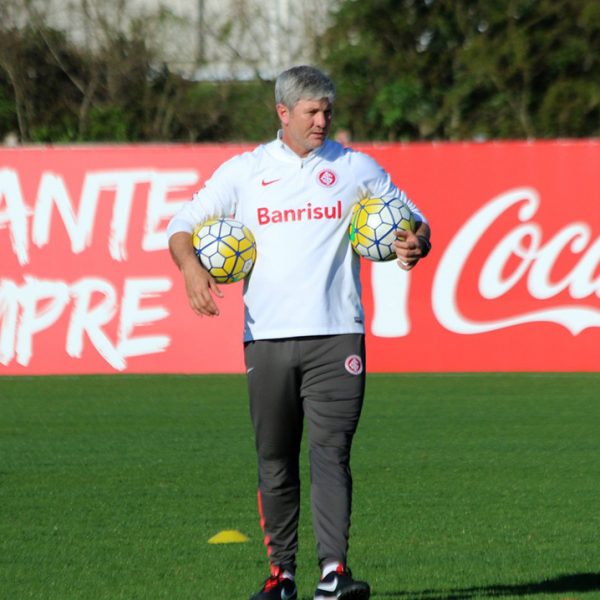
[[200, 287]]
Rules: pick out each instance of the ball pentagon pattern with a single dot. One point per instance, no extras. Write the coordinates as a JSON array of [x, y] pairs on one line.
[[373, 225], [226, 248]]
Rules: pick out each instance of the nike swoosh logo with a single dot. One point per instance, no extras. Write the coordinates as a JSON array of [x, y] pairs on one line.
[[286, 596], [328, 587], [269, 182]]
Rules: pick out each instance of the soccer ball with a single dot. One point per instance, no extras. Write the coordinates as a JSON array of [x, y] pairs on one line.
[[373, 225], [226, 248]]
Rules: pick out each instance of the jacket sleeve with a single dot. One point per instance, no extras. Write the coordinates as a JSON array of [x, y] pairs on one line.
[[377, 183], [217, 198]]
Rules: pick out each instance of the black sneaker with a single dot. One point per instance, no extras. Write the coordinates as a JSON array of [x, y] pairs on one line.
[[340, 584], [277, 587]]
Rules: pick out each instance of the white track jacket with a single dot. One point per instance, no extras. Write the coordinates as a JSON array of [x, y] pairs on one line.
[[306, 277]]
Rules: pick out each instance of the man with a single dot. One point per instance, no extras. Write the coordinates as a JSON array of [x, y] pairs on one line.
[[304, 324]]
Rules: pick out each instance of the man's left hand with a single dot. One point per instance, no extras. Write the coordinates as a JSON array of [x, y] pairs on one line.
[[410, 248]]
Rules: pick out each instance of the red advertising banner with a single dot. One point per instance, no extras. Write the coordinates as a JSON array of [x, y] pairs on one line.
[[512, 282]]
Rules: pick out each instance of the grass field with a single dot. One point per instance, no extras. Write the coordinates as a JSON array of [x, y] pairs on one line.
[[466, 486]]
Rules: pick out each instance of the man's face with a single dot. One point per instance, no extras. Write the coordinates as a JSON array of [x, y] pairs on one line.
[[306, 125]]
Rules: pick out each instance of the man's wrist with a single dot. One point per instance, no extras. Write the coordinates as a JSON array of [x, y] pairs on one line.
[[425, 245]]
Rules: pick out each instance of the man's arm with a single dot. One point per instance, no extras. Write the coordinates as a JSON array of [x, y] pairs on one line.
[[199, 285], [411, 247]]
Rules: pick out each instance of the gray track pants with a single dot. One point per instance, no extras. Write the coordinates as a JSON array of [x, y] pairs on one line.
[[321, 378]]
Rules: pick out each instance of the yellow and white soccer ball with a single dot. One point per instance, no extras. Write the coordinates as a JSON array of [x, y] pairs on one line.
[[374, 224], [226, 248]]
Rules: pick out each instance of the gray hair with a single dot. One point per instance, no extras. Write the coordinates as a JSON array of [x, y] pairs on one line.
[[303, 82]]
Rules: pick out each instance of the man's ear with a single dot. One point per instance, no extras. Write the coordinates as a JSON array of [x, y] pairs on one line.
[[283, 113]]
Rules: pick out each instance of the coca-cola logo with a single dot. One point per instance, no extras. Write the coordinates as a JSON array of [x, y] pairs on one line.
[[536, 259]]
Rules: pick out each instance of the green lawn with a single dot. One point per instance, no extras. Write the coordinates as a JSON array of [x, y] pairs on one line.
[[466, 486]]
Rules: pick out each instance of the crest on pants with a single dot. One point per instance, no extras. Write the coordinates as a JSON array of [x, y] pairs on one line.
[[354, 364]]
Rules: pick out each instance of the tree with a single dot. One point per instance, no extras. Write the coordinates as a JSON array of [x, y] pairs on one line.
[[44, 97], [114, 84], [458, 69], [405, 69]]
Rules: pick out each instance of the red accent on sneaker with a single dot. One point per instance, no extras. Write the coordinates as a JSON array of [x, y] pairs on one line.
[[276, 577], [270, 583], [340, 569]]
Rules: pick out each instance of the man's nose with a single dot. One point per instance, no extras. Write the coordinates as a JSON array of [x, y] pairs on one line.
[[320, 120]]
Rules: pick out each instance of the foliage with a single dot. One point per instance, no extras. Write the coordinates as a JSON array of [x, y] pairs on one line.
[[405, 70], [456, 69], [52, 91], [8, 116], [44, 97], [230, 110]]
